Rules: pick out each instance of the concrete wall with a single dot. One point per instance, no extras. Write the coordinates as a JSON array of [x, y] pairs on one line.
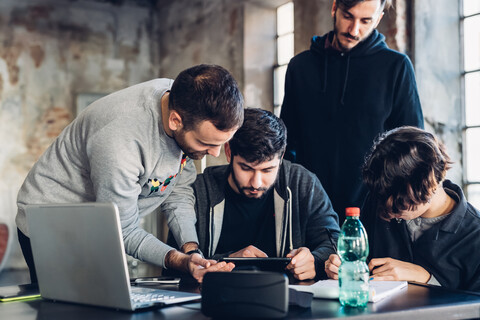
[[311, 17], [210, 31], [437, 65], [51, 51]]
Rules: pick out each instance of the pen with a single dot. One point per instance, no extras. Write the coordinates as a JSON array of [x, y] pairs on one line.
[[330, 237]]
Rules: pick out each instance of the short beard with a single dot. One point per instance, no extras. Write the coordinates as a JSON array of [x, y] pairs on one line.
[[241, 189], [336, 32], [179, 138]]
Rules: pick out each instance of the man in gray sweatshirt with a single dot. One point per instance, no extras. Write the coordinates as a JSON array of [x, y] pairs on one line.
[[134, 148], [260, 205]]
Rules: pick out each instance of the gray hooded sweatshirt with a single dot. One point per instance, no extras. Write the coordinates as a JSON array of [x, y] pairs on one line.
[[117, 151]]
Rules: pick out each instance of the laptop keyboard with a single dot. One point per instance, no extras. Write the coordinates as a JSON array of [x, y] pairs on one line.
[[145, 295], [148, 296]]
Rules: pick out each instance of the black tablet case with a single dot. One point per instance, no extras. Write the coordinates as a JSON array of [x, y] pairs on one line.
[[245, 294]]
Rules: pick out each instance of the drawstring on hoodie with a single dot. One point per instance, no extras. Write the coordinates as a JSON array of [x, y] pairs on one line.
[[290, 218], [287, 226], [325, 77], [345, 81], [322, 45]]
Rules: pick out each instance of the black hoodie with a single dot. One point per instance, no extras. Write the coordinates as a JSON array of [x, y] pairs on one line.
[[337, 103]]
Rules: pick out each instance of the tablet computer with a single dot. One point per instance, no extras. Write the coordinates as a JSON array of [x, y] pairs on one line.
[[155, 280], [263, 264]]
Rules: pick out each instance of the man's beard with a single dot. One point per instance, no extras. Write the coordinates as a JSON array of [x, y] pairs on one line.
[[348, 35], [179, 138], [243, 190]]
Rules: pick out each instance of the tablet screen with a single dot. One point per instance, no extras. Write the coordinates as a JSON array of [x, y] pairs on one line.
[[263, 264]]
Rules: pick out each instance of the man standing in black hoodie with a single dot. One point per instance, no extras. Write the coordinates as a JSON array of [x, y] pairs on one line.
[[343, 92]]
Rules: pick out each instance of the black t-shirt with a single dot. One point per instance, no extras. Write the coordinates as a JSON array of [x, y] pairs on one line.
[[247, 221]]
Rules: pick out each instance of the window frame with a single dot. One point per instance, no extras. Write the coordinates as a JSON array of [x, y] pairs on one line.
[[465, 128], [277, 66]]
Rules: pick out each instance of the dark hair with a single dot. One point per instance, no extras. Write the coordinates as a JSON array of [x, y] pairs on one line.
[[207, 92], [348, 4], [261, 137], [403, 168]]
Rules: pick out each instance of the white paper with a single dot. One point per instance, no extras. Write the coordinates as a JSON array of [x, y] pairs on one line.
[[328, 289]]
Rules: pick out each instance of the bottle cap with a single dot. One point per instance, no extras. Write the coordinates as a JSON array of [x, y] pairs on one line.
[[352, 212]]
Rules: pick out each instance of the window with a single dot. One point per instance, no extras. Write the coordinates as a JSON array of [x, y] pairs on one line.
[[471, 79], [284, 52]]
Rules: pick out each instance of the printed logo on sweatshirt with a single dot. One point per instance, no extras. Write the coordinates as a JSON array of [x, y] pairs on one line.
[[183, 163], [155, 184]]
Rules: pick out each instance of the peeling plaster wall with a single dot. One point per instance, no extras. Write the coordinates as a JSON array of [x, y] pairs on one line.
[[210, 31], [396, 26], [311, 17], [49, 52], [437, 64]]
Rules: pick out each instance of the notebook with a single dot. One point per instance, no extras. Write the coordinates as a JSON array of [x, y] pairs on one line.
[[80, 257], [328, 289]]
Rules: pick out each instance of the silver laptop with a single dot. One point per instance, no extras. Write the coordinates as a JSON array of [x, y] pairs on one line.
[[79, 257]]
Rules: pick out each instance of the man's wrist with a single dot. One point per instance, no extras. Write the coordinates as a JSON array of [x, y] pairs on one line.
[[189, 246], [195, 251], [176, 260]]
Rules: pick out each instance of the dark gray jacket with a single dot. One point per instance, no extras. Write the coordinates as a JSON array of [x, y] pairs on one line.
[[302, 212]]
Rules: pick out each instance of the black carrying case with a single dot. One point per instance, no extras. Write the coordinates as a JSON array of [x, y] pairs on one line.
[[256, 294]]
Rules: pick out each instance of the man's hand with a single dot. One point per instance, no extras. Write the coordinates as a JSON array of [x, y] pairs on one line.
[[194, 264], [303, 263], [181, 261], [332, 265], [249, 252], [392, 269], [198, 271]]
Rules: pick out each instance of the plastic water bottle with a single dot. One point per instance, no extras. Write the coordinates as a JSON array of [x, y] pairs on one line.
[[353, 273]]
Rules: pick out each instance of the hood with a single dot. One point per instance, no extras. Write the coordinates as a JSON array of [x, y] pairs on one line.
[[374, 43], [215, 181]]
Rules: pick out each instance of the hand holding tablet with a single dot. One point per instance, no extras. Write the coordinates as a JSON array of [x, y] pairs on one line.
[[263, 264]]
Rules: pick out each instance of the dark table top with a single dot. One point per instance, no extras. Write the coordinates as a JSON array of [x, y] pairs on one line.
[[414, 302]]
